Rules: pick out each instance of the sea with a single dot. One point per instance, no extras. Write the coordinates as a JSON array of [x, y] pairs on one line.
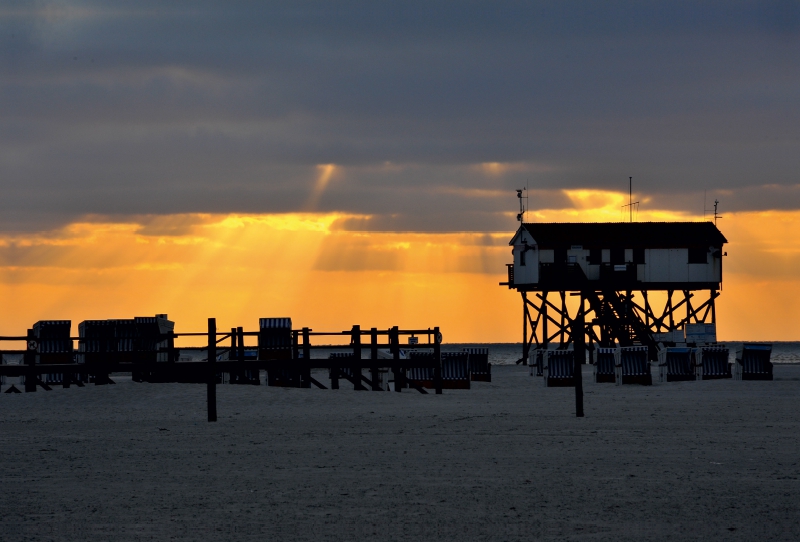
[[499, 353], [509, 353]]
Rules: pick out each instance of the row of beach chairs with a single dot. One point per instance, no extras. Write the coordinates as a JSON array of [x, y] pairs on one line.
[[459, 369], [630, 365], [623, 365], [752, 362]]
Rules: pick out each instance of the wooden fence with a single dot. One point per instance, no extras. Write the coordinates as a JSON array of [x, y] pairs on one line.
[[143, 364]]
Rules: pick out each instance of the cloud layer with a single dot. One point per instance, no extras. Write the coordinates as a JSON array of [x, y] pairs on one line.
[[125, 108]]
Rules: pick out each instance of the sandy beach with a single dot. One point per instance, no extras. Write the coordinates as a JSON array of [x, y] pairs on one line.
[[506, 460]]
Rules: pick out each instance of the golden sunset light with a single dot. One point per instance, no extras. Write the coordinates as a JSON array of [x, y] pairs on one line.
[[238, 268], [401, 271]]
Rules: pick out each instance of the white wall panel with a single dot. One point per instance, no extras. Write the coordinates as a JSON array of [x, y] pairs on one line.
[[678, 265]]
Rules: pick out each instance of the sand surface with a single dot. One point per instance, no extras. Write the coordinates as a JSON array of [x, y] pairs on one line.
[[504, 461]]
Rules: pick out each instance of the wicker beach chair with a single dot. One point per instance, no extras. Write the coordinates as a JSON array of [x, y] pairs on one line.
[[147, 339], [479, 366], [275, 343], [632, 366], [711, 363], [752, 362], [536, 361], [675, 364], [54, 347], [604, 365], [11, 381], [97, 344], [455, 370], [559, 368], [343, 372], [421, 376], [242, 376]]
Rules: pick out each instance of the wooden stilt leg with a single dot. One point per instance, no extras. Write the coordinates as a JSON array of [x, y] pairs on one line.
[[211, 386]]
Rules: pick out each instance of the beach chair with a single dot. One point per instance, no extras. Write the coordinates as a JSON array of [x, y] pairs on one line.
[[146, 339], [348, 373], [559, 368], [675, 364], [455, 371], [12, 381], [752, 362], [54, 347], [275, 343], [420, 376], [243, 376], [479, 366], [97, 345], [632, 366], [604, 363], [711, 363], [536, 361]]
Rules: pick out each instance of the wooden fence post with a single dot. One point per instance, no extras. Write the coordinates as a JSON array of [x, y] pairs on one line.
[[171, 357], [211, 386], [437, 359], [373, 356], [334, 374], [295, 355], [355, 335], [237, 373], [394, 341], [29, 359], [305, 372], [240, 356], [579, 340]]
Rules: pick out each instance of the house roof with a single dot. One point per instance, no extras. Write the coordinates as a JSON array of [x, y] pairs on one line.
[[625, 234]]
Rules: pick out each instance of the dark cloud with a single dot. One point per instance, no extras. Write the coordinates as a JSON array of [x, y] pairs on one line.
[[136, 108]]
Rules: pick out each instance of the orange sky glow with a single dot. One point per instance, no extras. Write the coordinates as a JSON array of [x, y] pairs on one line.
[[238, 268]]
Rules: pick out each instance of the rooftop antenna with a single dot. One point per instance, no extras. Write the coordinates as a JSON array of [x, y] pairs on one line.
[[522, 205], [631, 203], [716, 205], [716, 216]]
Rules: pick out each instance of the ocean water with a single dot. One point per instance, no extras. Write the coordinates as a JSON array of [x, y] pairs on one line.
[[509, 353], [501, 353]]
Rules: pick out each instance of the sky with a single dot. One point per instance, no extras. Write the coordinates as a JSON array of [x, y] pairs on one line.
[[355, 162]]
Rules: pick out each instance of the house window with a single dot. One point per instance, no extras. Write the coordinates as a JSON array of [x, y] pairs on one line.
[[560, 255], [638, 255], [698, 255], [595, 256], [522, 256], [618, 256]]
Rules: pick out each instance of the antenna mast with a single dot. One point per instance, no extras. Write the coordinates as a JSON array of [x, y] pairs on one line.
[[716, 205], [522, 205], [631, 203], [716, 216]]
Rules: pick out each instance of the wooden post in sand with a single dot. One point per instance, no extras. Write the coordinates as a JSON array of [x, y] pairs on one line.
[[356, 367], [394, 341], [373, 356], [211, 394], [579, 340], [237, 372], [240, 356], [171, 357], [305, 372], [437, 359], [29, 358]]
